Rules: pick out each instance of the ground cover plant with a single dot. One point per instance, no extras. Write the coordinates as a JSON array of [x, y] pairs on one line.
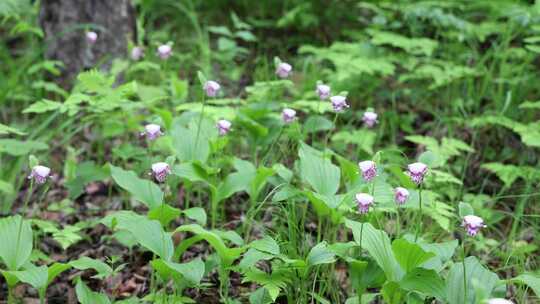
[[274, 152]]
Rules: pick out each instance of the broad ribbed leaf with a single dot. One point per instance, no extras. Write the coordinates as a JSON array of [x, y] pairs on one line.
[[103, 270], [37, 277], [409, 255], [318, 172], [143, 190], [87, 296], [478, 277], [266, 244], [320, 254], [148, 233], [16, 238], [530, 279], [189, 144], [377, 243], [192, 271], [426, 281], [227, 255]]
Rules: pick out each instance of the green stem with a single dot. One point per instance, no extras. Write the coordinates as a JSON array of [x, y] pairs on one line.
[[11, 297], [267, 152], [398, 224], [464, 273], [199, 123], [361, 234], [420, 222], [26, 200], [328, 134], [214, 205], [42, 297]]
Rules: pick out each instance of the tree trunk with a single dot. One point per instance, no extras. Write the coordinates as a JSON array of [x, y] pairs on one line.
[[66, 22]]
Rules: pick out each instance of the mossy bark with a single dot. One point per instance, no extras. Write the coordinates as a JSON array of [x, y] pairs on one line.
[[65, 23]]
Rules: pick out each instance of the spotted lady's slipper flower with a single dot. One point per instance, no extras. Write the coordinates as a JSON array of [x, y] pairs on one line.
[[152, 131], [161, 171], [91, 37], [288, 115], [40, 174], [417, 171], [368, 169], [473, 224], [339, 103], [401, 195], [164, 51], [223, 126], [283, 70], [364, 201], [499, 301], [370, 119], [137, 53], [323, 91], [211, 88]]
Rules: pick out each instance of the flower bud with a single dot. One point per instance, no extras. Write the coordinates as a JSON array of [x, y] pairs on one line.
[[283, 70], [368, 169], [40, 174], [152, 131], [499, 301], [161, 171], [288, 115], [473, 224], [339, 103], [364, 201], [401, 195], [137, 53], [323, 91], [417, 171], [164, 51], [91, 37], [369, 119], [211, 88], [223, 126]]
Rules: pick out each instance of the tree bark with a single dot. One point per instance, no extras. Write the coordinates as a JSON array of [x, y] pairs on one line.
[[65, 24]]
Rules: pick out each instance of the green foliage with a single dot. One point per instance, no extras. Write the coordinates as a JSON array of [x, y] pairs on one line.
[[377, 243], [318, 171], [478, 278], [148, 233], [142, 190], [267, 212], [103, 270], [18, 148], [16, 235], [86, 296]]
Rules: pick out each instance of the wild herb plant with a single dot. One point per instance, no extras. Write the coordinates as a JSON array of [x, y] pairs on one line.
[[388, 155]]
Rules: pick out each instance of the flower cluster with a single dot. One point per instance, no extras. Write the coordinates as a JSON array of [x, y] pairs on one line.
[[339, 103], [161, 170], [211, 88], [368, 169], [91, 37], [137, 53], [152, 131], [473, 224], [40, 174], [323, 91], [288, 115], [283, 70], [364, 201], [401, 195], [417, 171], [223, 126], [164, 51], [369, 119]]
